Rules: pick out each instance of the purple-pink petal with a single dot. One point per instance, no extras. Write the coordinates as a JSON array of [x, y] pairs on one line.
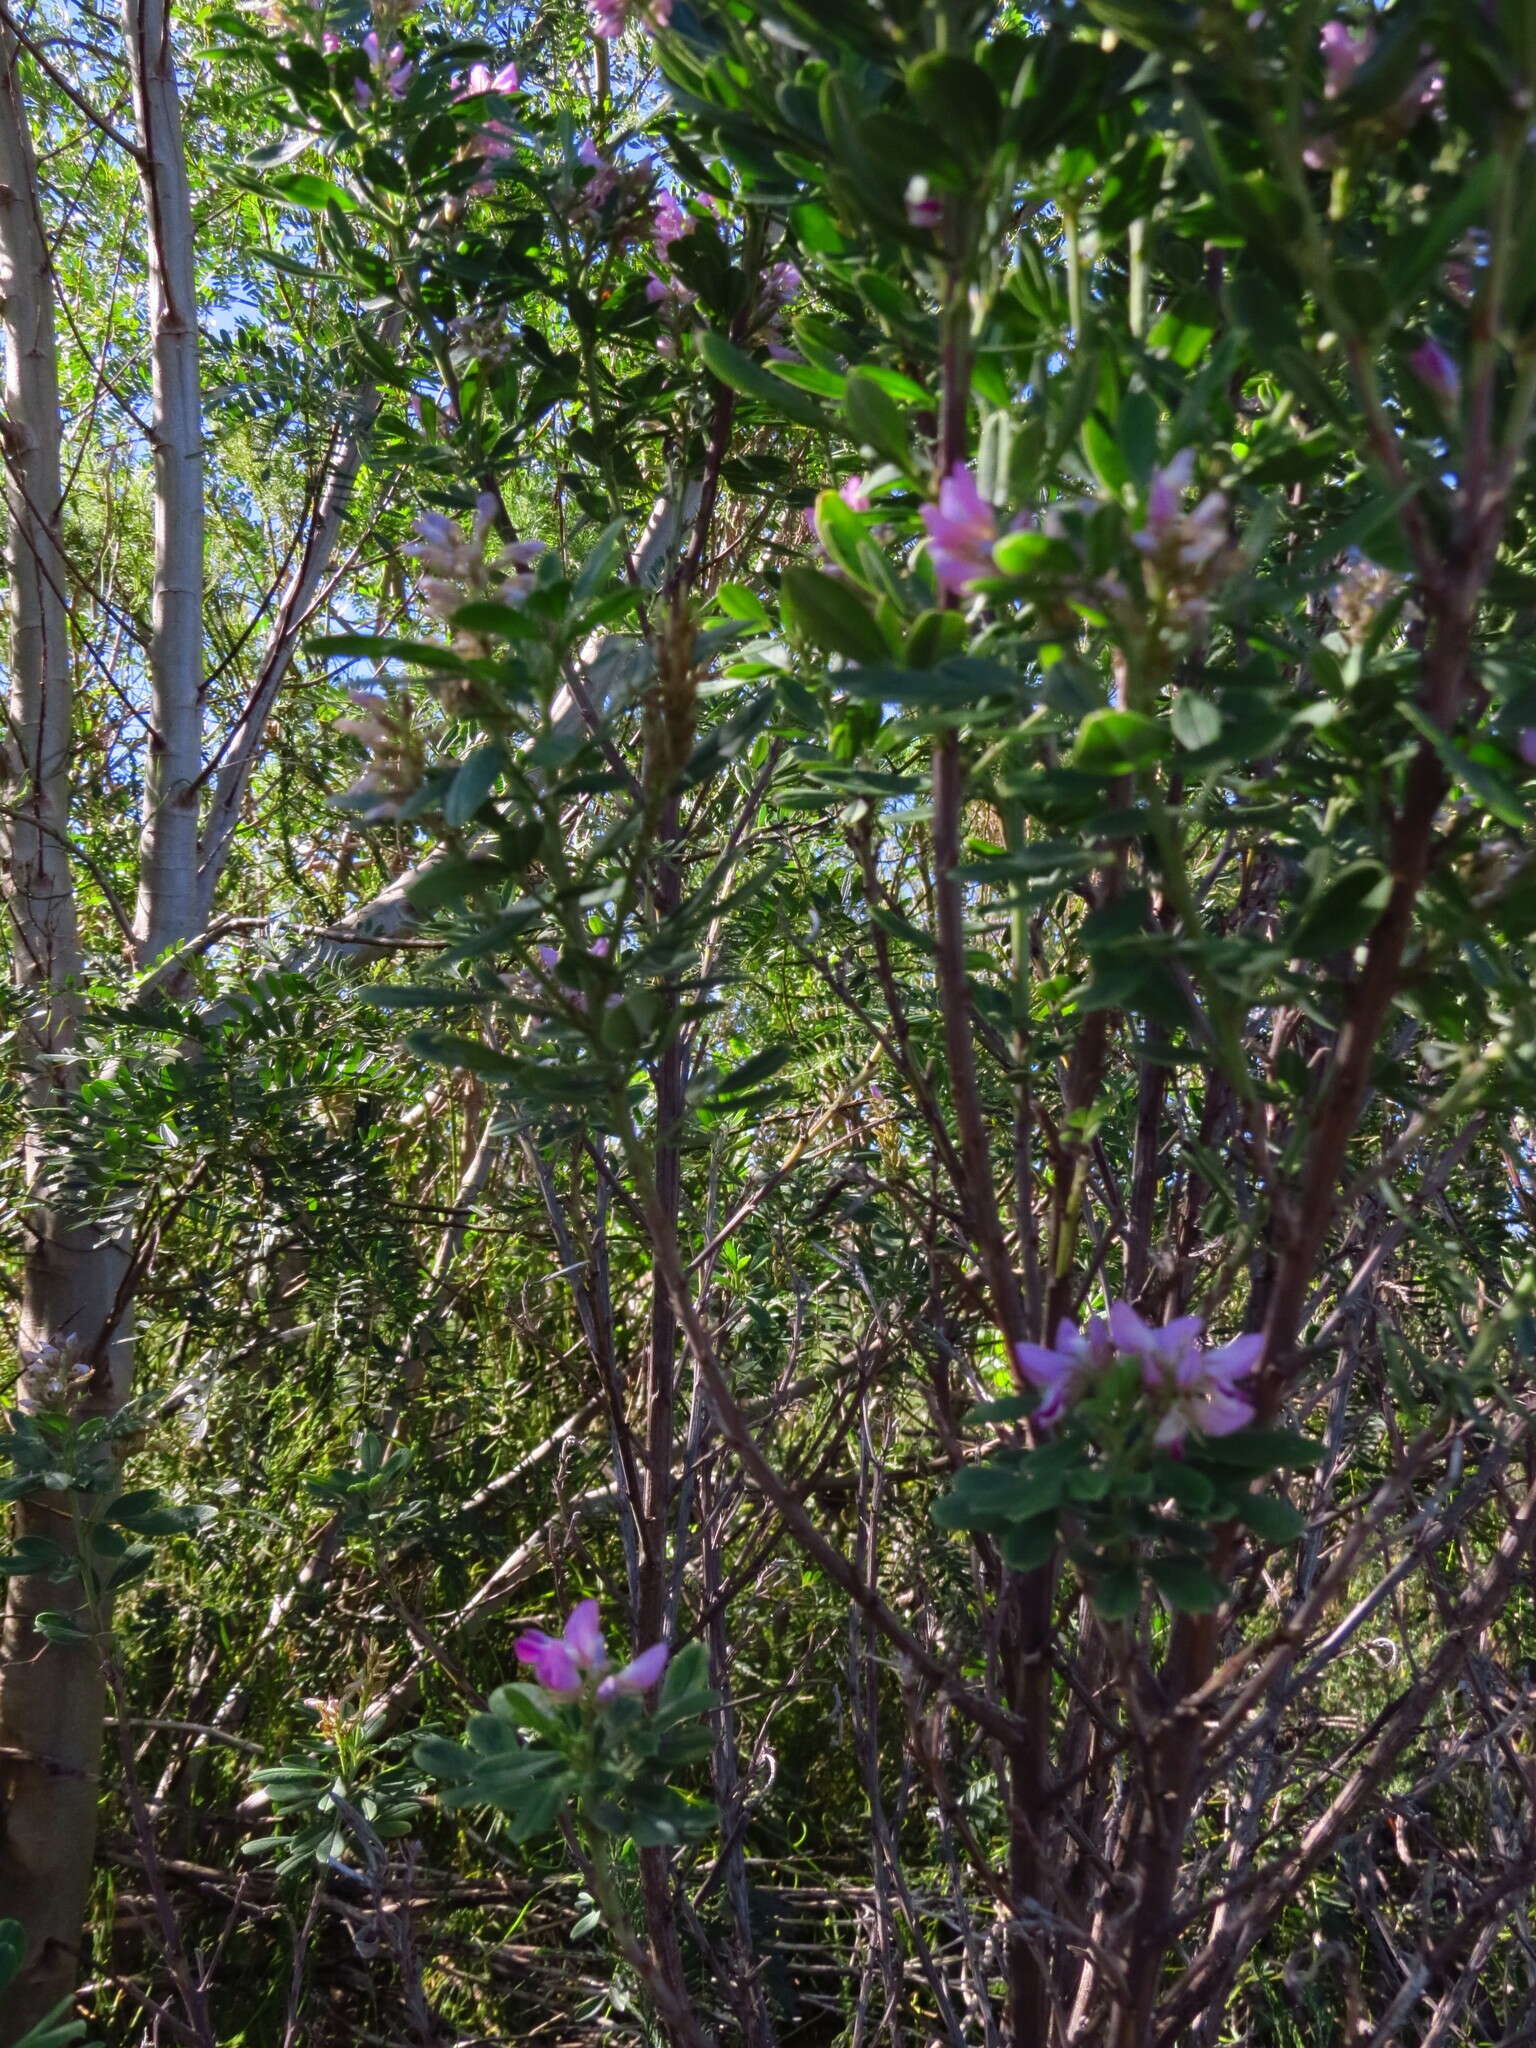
[[1040, 1366], [1219, 1412], [641, 1672], [584, 1636], [1236, 1360], [1437, 369], [1126, 1328], [553, 1665]]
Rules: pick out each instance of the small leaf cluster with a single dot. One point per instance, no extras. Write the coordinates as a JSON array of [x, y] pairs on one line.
[[1124, 1512], [338, 1797], [535, 1757]]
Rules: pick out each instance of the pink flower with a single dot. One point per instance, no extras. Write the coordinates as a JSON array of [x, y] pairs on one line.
[[362, 92], [1165, 493], [1187, 549], [1062, 1371], [609, 17], [962, 531], [669, 221], [781, 283], [1197, 1386], [924, 209], [638, 1675], [1344, 51], [854, 495], [1526, 745], [482, 79], [330, 42], [561, 1663], [1437, 370], [668, 292]]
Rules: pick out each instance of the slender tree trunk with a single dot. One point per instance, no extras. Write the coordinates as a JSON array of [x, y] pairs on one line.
[[168, 853], [51, 1698]]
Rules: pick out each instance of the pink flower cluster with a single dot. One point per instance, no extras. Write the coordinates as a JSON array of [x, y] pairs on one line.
[[1188, 1388], [481, 79], [670, 222], [962, 532], [566, 1664], [392, 63], [495, 141], [457, 569], [1345, 51], [1187, 551], [610, 18]]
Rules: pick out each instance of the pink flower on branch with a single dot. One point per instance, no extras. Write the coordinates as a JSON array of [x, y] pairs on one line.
[[1437, 370], [482, 79], [1197, 1386], [1344, 51], [1187, 1389], [962, 532], [1062, 1372], [670, 221], [564, 1664], [610, 18]]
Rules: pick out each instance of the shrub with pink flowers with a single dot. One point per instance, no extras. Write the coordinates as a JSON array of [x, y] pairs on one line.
[[871, 1032]]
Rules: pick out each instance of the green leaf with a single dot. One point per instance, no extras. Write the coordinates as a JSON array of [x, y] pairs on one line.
[[399, 995], [1260, 1450], [751, 1074], [1496, 794], [1337, 917], [1270, 1517], [1116, 1592], [1104, 455], [538, 1808], [31, 1554], [452, 879], [60, 1630], [875, 419], [1025, 1546], [1007, 1408], [440, 1758], [1185, 1584], [473, 783], [829, 615], [1136, 431], [446, 1049], [1195, 720], [688, 1672], [303, 188], [524, 1705], [727, 362], [1119, 742], [13, 1946], [959, 100]]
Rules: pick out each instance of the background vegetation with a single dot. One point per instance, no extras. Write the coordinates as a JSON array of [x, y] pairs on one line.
[[715, 709]]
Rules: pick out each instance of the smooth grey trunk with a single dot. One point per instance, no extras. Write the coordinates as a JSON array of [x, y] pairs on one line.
[[51, 1700], [77, 1285], [167, 909]]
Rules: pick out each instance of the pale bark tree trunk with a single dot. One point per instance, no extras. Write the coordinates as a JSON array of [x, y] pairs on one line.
[[168, 890], [51, 1699], [78, 1285]]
